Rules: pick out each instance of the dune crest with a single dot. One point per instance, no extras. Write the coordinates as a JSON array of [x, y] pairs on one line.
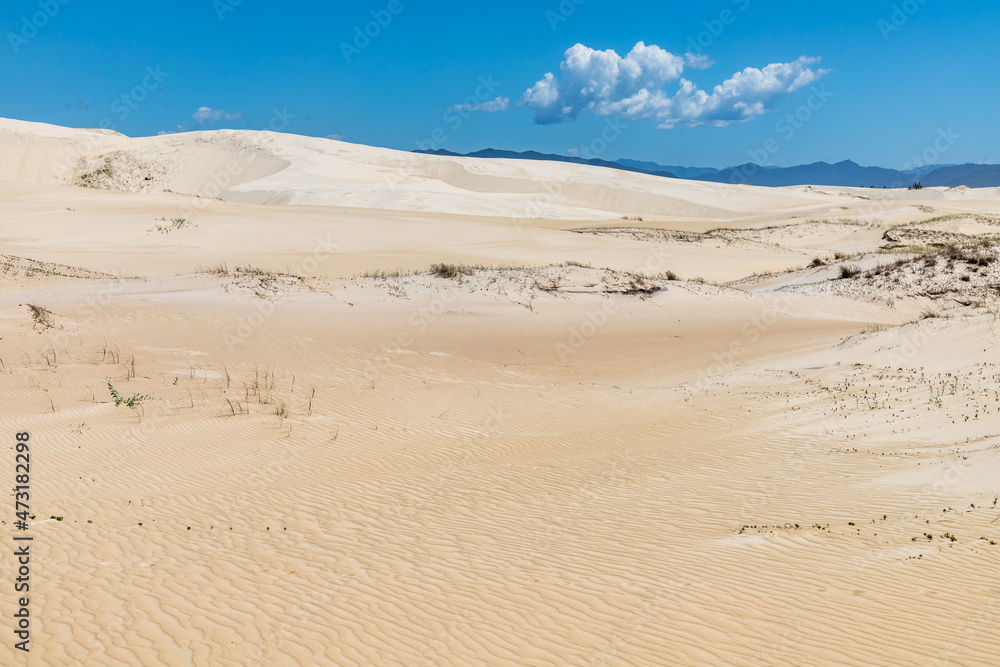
[[298, 401]]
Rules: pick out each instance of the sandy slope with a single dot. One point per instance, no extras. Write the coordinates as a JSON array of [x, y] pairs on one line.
[[522, 465]]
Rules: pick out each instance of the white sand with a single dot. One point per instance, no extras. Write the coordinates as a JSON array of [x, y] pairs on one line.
[[521, 466]]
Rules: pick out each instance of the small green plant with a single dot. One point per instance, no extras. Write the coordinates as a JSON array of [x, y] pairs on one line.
[[873, 403], [936, 397], [133, 401], [249, 270]]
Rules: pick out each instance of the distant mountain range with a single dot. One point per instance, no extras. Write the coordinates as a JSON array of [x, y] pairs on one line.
[[846, 173], [532, 155]]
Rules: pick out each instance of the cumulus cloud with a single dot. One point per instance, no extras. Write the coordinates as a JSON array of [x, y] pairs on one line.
[[492, 106], [633, 87], [206, 115]]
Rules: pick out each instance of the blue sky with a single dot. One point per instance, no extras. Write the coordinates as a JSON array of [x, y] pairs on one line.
[[894, 75]]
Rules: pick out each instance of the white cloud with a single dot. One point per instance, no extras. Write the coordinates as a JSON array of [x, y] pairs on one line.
[[492, 106], [632, 87], [207, 115], [699, 62], [335, 137]]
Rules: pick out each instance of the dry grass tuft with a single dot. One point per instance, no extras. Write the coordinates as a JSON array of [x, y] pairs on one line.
[[849, 270], [41, 316], [451, 270]]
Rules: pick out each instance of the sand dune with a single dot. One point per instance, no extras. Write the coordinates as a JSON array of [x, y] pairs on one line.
[[271, 168], [590, 441]]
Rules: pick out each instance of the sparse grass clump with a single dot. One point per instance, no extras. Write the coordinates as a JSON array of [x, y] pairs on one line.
[[640, 284], [977, 254], [175, 224], [249, 270], [451, 270], [41, 316], [217, 270], [962, 261], [849, 271]]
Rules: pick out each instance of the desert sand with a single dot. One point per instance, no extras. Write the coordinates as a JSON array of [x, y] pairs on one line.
[[627, 420]]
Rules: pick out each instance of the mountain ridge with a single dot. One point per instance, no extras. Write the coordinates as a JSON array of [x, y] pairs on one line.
[[846, 173]]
